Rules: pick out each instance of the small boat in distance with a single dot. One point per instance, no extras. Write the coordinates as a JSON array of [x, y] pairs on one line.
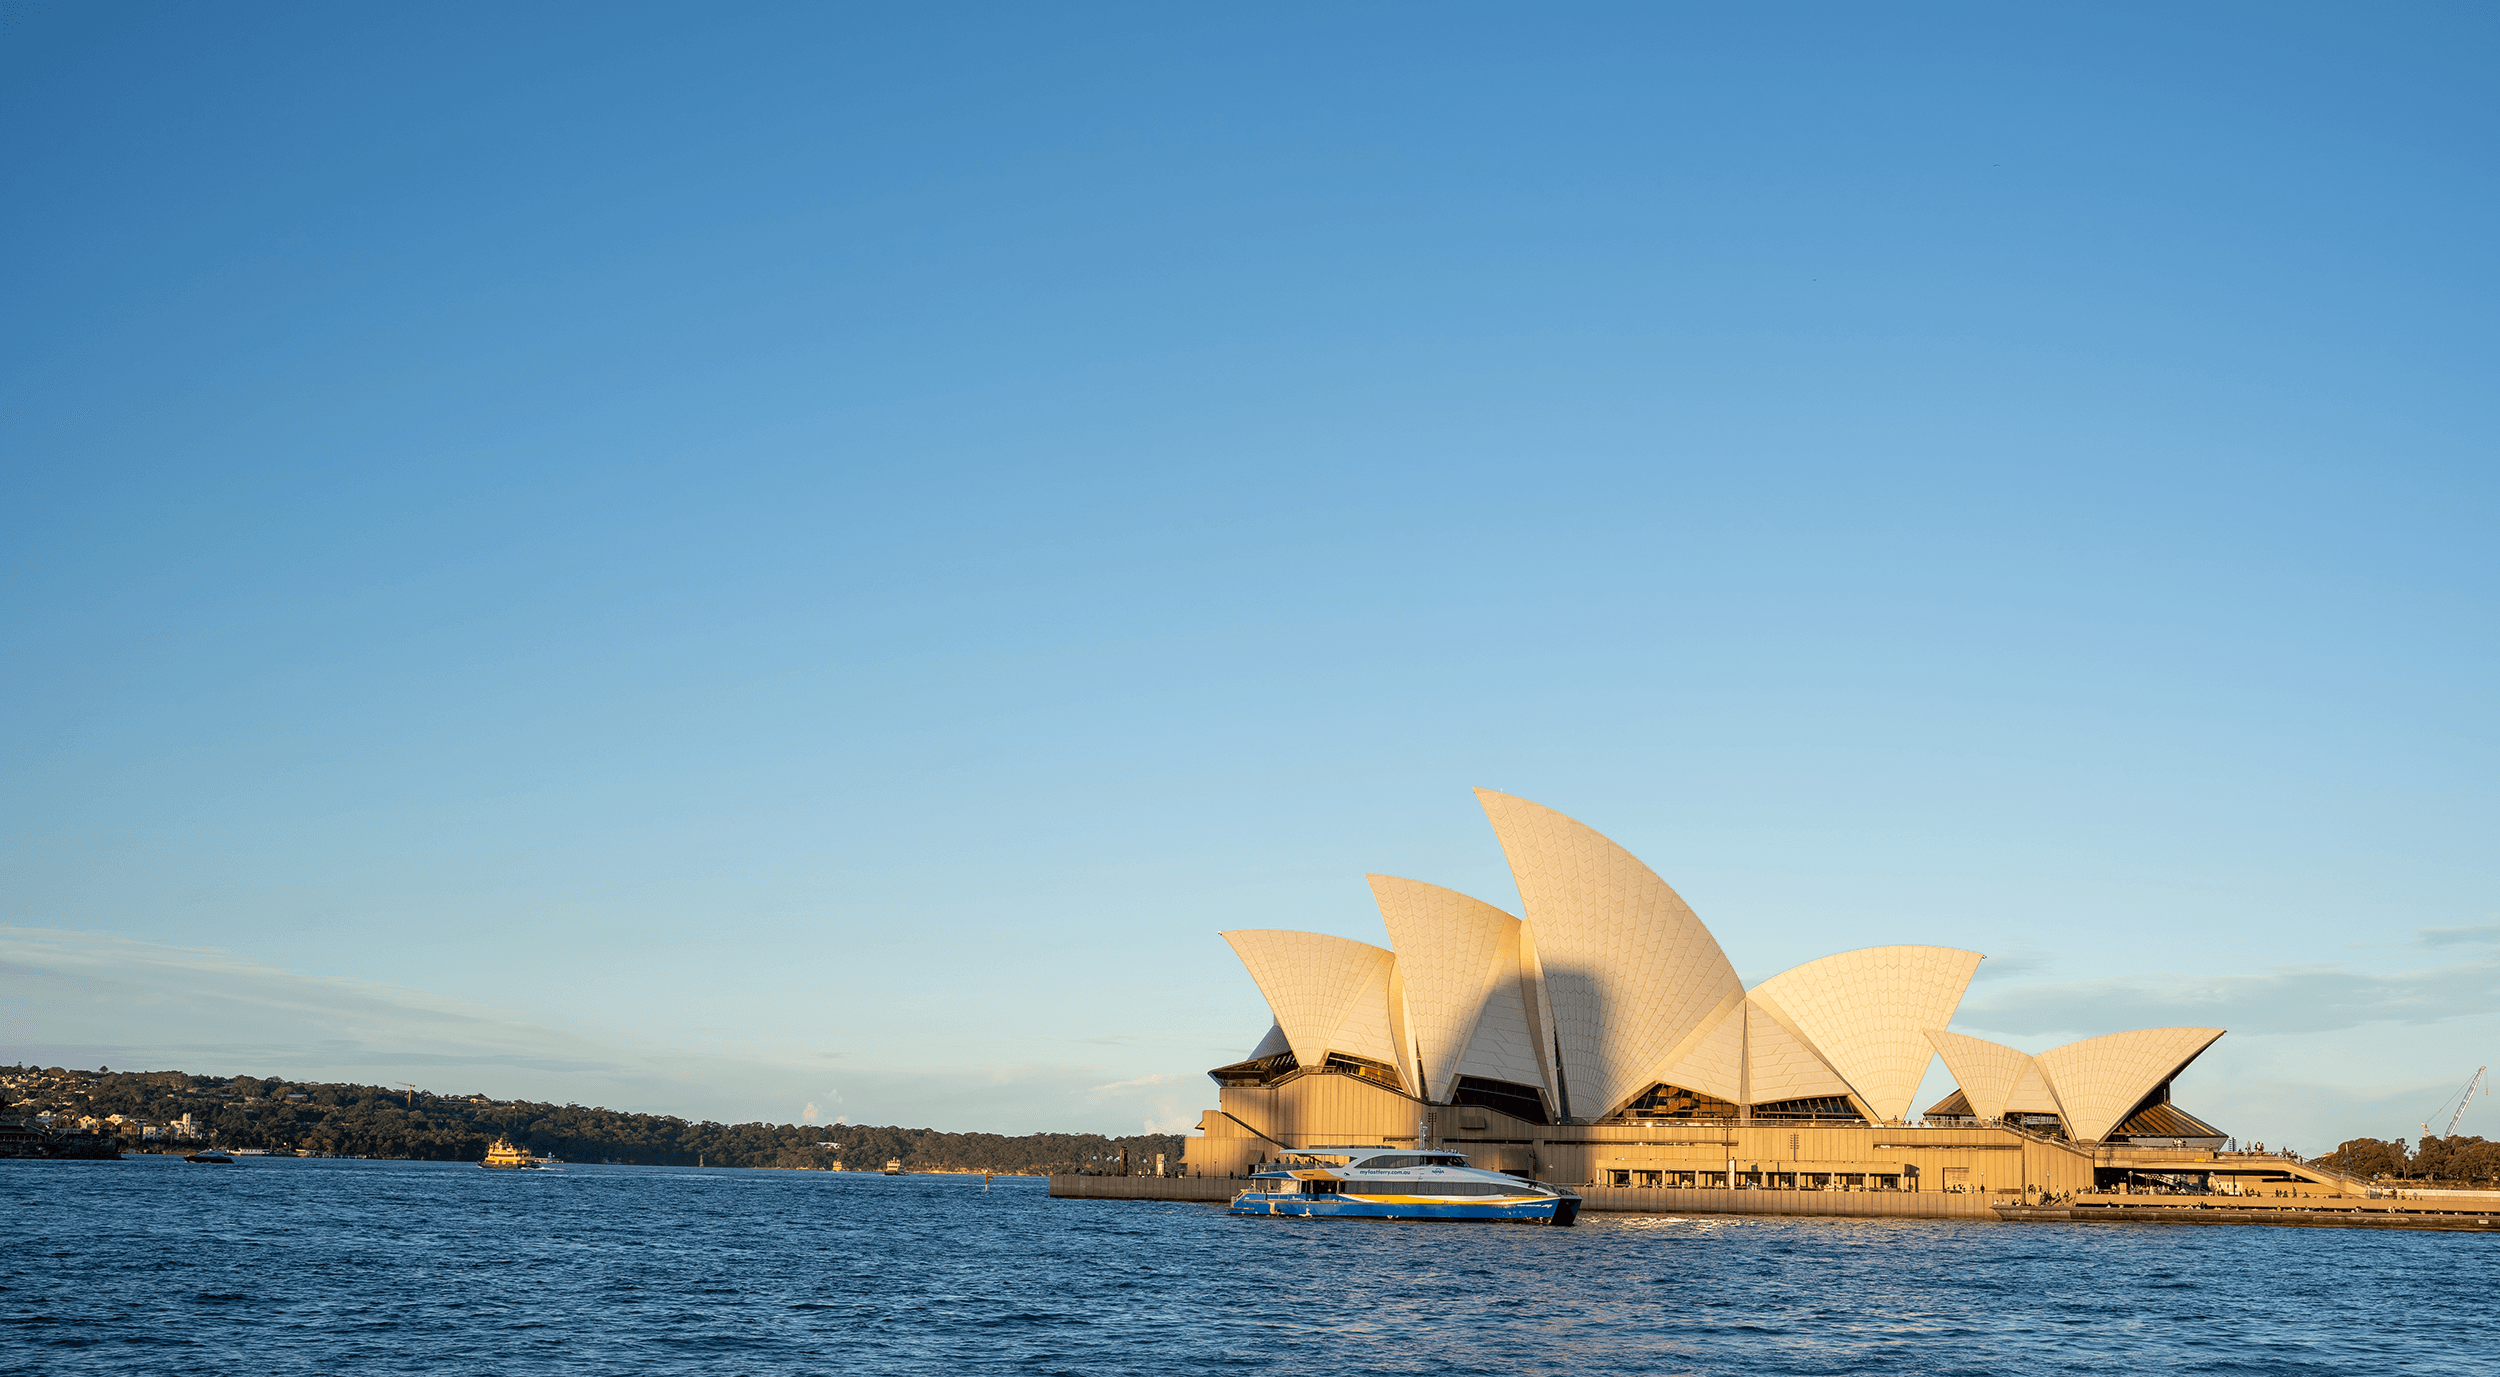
[[894, 1166], [504, 1154], [213, 1156], [1399, 1183]]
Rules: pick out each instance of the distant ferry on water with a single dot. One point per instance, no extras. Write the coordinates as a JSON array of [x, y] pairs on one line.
[[894, 1167], [504, 1154], [1393, 1183]]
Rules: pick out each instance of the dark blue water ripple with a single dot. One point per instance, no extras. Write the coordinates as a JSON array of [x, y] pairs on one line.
[[155, 1265]]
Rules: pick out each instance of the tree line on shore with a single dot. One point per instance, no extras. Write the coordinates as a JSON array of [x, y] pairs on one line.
[[2456, 1158], [379, 1121]]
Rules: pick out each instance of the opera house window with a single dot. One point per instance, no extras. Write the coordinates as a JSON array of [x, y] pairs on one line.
[[1672, 1102]]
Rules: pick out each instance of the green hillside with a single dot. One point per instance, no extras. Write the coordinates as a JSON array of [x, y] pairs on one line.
[[379, 1121]]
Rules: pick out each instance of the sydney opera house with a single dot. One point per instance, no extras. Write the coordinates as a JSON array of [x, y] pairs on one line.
[[1600, 1037]]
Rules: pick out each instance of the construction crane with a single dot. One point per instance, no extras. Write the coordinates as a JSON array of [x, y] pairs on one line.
[[2463, 1097], [412, 1092]]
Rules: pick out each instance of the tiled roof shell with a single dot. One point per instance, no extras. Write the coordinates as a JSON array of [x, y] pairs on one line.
[[2098, 1080], [1327, 993], [1779, 1065], [1716, 1063], [1868, 1013], [1630, 973], [1988, 1072], [1458, 958]]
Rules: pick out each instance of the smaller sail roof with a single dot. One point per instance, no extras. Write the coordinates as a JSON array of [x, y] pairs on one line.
[[1714, 1063], [1988, 1072], [2031, 1094], [1326, 992], [2099, 1081], [1867, 1013], [1458, 960], [1779, 1065]]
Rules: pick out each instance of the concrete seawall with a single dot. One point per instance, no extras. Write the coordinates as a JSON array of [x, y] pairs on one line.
[[2453, 1216], [1829, 1204]]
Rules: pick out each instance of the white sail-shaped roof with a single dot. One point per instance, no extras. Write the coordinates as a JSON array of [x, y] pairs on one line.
[[1458, 959], [1988, 1072], [1779, 1065], [2098, 1081], [1327, 993], [1507, 1045], [1514, 1041], [1715, 1064], [2031, 1094], [1378, 1020], [1630, 974], [1867, 1012]]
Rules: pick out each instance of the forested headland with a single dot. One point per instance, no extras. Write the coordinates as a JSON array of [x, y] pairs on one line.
[[382, 1121], [2453, 1159]]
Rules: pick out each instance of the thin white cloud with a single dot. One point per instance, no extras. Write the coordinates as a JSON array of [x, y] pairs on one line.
[[2471, 934], [1141, 1083]]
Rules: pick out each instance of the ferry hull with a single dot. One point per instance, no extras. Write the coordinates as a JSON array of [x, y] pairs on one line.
[[1557, 1210]]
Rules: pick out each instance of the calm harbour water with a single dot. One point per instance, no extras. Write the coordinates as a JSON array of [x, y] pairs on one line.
[[157, 1265]]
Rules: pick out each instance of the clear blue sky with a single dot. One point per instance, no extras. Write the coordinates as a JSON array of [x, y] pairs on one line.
[[737, 560]]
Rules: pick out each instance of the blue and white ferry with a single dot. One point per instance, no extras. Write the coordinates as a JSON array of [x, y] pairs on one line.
[[1399, 1183]]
